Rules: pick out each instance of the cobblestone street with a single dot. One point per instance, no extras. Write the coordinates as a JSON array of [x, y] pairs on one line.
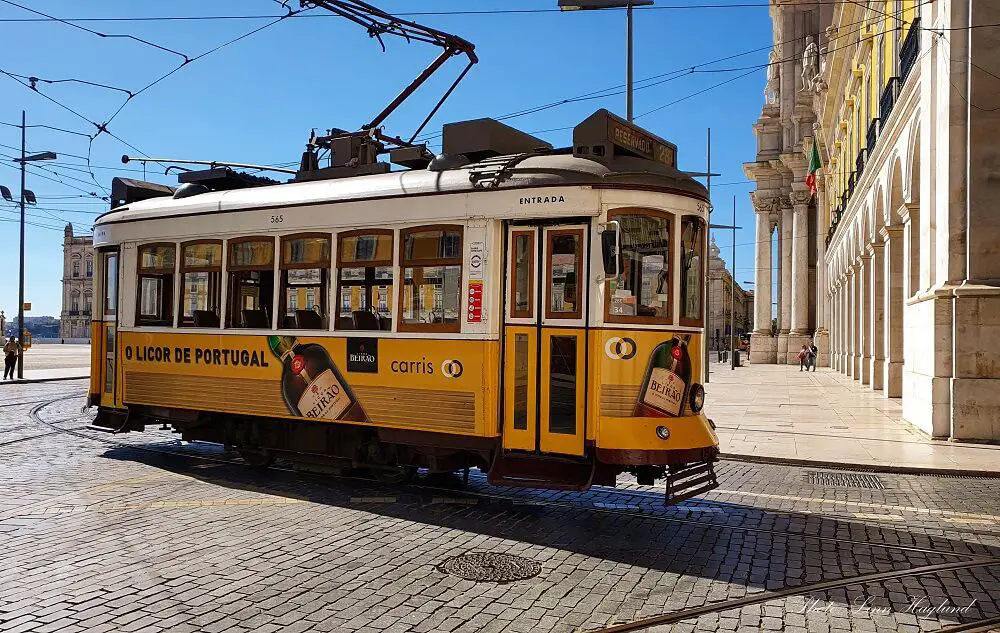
[[142, 532]]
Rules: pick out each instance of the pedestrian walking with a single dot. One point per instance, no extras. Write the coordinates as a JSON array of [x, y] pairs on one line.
[[813, 355], [10, 352], [803, 357]]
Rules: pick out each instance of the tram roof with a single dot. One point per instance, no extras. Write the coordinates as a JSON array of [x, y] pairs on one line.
[[545, 170]]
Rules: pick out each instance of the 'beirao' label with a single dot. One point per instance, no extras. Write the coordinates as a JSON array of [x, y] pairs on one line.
[[665, 391], [324, 398]]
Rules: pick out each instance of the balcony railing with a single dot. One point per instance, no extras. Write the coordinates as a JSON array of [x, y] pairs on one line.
[[910, 51], [873, 130], [888, 100], [853, 180], [859, 164]]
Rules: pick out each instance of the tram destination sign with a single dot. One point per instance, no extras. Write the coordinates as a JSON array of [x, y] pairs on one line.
[[602, 136]]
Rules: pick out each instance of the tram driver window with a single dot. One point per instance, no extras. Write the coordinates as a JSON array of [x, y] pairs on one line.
[[431, 297], [155, 284], [692, 258], [305, 266], [251, 283], [641, 292], [201, 280], [364, 280]]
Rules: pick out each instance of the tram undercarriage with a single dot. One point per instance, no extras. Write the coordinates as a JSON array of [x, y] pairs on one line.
[[394, 455]]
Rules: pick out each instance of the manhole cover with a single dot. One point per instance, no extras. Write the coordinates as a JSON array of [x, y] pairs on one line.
[[490, 567], [843, 480]]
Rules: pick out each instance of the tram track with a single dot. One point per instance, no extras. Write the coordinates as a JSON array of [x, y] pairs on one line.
[[969, 560], [675, 617]]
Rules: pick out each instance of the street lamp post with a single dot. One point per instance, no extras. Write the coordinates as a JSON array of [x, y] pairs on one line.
[[591, 5], [25, 159]]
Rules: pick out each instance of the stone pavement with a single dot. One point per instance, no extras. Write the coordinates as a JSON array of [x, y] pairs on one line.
[[778, 412], [142, 532]]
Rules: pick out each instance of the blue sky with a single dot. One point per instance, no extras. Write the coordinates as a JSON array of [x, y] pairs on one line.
[[256, 100]]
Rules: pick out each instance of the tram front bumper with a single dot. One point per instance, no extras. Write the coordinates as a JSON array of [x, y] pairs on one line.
[[639, 441]]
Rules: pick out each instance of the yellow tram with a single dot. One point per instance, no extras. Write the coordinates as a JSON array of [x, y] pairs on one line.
[[534, 312]]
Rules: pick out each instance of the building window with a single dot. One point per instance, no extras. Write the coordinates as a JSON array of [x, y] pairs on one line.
[[201, 283], [90, 268], [74, 307], [692, 250], [251, 283], [76, 268], [155, 284], [305, 269], [364, 280], [641, 293], [431, 260]]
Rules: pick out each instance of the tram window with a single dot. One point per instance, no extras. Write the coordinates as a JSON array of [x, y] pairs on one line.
[[201, 283], [305, 269], [692, 258], [522, 274], [251, 283], [641, 293], [364, 280], [110, 283], [431, 297], [156, 284], [564, 253]]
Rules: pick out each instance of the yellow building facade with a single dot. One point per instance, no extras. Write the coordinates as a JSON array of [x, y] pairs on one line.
[[904, 294]]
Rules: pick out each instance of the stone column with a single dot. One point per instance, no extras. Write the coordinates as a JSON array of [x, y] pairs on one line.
[[799, 334], [762, 343], [876, 321], [849, 324], [864, 316], [892, 240], [831, 299], [785, 298]]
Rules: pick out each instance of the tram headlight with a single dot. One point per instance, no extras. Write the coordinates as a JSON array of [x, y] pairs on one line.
[[697, 398]]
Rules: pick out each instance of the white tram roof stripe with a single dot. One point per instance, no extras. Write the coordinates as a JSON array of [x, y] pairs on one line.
[[536, 171]]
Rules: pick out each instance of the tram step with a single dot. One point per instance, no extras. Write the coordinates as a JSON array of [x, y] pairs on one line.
[[540, 471], [689, 480], [110, 421]]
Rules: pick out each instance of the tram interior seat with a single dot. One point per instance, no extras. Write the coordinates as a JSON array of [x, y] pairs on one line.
[[206, 318], [365, 320], [256, 319], [308, 320]]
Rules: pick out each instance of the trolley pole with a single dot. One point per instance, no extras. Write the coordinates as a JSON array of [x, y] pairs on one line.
[[732, 296], [20, 272], [628, 64], [708, 286]]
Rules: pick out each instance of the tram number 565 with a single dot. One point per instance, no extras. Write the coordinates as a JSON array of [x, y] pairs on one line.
[[277, 219]]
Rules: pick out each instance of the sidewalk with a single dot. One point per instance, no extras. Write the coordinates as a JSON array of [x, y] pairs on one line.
[[55, 362], [777, 413]]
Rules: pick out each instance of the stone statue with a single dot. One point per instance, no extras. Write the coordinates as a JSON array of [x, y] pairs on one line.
[[772, 88], [810, 63]]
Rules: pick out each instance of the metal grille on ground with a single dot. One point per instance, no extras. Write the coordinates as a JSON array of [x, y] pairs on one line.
[[842, 480], [490, 567]]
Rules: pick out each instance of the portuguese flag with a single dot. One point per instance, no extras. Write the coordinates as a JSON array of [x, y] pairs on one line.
[[814, 165]]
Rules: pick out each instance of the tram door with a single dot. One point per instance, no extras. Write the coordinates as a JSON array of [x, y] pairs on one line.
[[106, 321], [545, 339]]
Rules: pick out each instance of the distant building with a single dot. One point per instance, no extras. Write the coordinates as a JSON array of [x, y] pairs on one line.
[[78, 285], [722, 299]]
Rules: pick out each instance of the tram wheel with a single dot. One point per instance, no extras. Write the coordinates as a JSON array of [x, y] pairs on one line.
[[393, 474], [257, 457]]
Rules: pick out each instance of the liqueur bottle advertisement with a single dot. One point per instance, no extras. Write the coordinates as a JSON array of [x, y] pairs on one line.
[[667, 379], [311, 384]]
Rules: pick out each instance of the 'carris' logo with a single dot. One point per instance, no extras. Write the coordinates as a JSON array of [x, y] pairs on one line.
[[452, 368]]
